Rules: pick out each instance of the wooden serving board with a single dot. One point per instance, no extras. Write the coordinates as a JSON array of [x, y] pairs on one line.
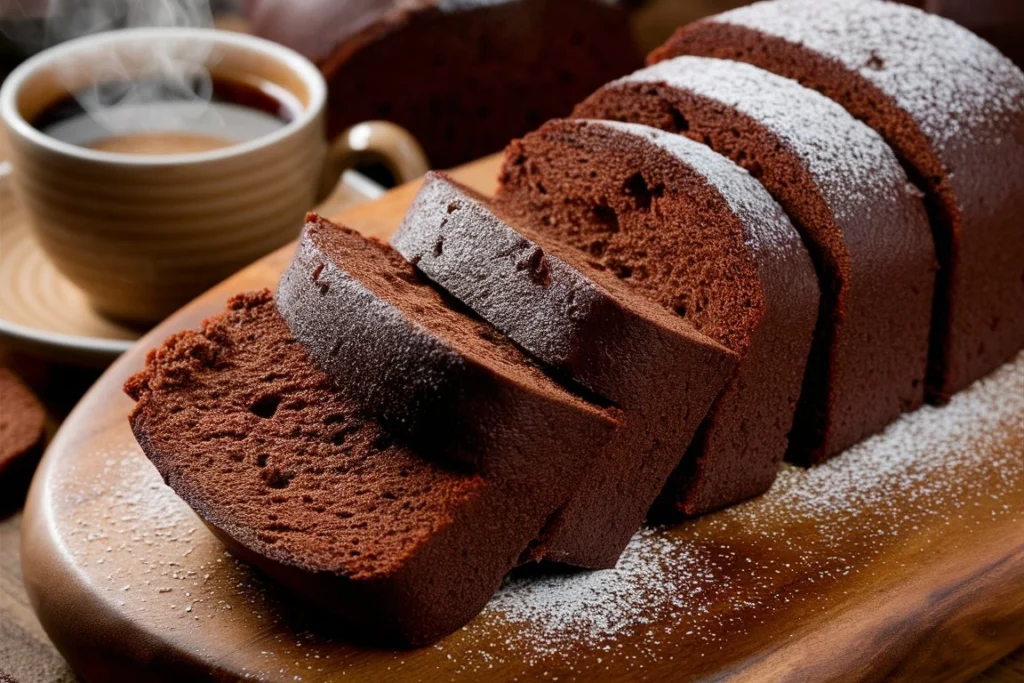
[[902, 559]]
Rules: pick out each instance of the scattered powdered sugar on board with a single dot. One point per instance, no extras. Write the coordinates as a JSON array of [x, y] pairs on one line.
[[144, 552], [142, 541], [656, 577], [692, 593], [700, 580], [919, 465]]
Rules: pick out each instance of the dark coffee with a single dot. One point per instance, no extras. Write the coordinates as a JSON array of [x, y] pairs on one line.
[[161, 116]]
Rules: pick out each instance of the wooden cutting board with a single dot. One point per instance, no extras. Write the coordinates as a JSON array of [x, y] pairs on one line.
[[902, 559]]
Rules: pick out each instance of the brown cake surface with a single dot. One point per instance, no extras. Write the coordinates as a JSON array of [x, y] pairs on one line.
[[700, 236], [952, 108], [862, 220], [293, 478], [589, 326], [22, 432], [464, 76], [416, 359]]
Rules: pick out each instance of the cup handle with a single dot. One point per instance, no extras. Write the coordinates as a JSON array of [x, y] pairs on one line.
[[373, 141]]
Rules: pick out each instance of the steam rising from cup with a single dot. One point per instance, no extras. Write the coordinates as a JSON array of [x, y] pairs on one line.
[[172, 95]]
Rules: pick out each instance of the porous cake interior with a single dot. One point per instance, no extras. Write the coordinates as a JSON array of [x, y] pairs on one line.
[[748, 144], [275, 458], [952, 122], [609, 198], [450, 197], [867, 103]]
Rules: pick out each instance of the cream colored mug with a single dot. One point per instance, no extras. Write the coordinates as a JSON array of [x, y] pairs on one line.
[[142, 226]]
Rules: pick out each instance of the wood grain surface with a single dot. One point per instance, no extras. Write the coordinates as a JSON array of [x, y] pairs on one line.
[[922, 585]]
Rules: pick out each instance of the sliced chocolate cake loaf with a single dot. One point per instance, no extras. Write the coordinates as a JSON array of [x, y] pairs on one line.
[[589, 326], [952, 108], [464, 76], [700, 236], [862, 220], [294, 478], [417, 360]]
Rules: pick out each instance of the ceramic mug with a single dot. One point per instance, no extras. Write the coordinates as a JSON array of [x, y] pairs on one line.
[[141, 234]]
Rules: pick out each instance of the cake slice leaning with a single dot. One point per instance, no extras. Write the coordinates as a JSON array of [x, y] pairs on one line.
[[845, 192], [951, 106], [697, 234], [586, 324], [401, 546], [421, 362]]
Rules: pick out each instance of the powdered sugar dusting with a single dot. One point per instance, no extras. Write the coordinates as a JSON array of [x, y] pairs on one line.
[[856, 172], [657, 580], [680, 599], [918, 466], [141, 541], [953, 83], [415, 239], [151, 561], [698, 582], [770, 230]]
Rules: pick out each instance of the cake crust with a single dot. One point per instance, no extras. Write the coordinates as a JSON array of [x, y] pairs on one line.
[[862, 220], [951, 107], [589, 326], [418, 360], [294, 478], [698, 235]]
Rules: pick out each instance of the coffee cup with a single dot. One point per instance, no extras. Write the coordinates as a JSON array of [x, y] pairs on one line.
[[145, 203]]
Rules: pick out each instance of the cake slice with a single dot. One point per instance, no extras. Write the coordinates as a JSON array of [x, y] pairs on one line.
[[862, 220], [22, 433], [295, 479], [951, 106], [698, 235], [419, 361], [587, 325]]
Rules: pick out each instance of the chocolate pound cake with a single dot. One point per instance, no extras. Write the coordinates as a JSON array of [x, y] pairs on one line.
[[22, 433], [464, 76], [862, 220], [952, 108], [295, 479], [590, 326], [700, 236], [417, 360]]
